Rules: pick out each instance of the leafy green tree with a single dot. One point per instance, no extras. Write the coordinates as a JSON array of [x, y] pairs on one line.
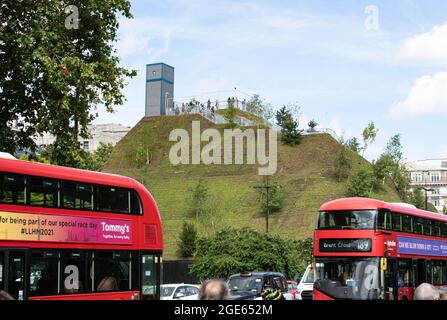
[[187, 240], [275, 198], [312, 125], [354, 145], [257, 106], [417, 198], [199, 205], [237, 250], [290, 134], [54, 74], [342, 164], [369, 135], [361, 183], [390, 167], [140, 156], [230, 114], [98, 159]]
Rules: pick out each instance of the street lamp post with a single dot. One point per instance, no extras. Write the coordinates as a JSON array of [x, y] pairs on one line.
[[426, 197], [267, 187]]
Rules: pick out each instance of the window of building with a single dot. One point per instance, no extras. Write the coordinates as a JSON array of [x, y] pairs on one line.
[[437, 202], [85, 145], [44, 192], [12, 188], [112, 199], [435, 191], [77, 195], [44, 273], [435, 176], [444, 164], [416, 177]]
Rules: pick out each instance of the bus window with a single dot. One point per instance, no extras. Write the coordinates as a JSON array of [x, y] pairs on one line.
[[148, 277], [135, 203], [406, 224], [16, 274], [444, 272], [44, 273], [404, 273], [73, 272], [427, 227], [2, 264], [12, 188], [436, 228], [112, 271], [396, 222], [77, 196], [429, 271], [437, 273], [346, 220], [384, 220], [112, 199], [44, 192], [418, 225], [444, 229]]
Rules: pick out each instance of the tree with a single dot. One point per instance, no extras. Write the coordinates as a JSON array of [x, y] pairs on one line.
[[199, 206], [391, 167], [230, 114], [342, 164], [290, 134], [312, 125], [55, 68], [354, 145], [275, 198], [142, 156], [236, 250], [417, 198], [361, 183], [257, 106], [444, 210], [187, 240], [369, 135], [98, 159]]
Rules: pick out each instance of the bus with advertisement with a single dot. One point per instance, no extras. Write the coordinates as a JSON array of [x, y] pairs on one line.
[[366, 249], [74, 234]]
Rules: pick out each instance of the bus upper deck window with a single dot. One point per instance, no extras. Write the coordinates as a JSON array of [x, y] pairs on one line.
[[12, 188]]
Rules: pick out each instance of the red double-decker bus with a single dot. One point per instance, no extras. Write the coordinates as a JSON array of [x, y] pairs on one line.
[[74, 234], [367, 249]]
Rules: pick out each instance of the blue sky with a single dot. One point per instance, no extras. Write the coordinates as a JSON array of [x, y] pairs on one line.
[[319, 54]]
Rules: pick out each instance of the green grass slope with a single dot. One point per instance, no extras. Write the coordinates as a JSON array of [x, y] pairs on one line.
[[304, 171]]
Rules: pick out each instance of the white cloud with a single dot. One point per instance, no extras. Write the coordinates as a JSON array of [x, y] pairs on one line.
[[427, 96], [428, 47]]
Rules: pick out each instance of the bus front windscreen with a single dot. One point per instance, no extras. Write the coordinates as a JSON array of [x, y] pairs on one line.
[[347, 220], [348, 278]]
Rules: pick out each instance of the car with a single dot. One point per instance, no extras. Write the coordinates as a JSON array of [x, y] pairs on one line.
[[249, 285], [179, 291], [292, 287], [306, 285]]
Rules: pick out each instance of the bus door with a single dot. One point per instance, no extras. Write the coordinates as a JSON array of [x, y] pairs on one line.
[[391, 288], [151, 276], [12, 273]]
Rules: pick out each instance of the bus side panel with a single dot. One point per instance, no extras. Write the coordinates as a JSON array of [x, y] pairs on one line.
[[128, 295]]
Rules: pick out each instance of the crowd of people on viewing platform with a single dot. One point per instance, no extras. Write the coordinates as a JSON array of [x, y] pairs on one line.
[[207, 108]]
